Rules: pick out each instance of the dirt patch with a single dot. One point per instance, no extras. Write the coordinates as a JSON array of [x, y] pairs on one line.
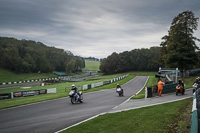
[[25, 87]]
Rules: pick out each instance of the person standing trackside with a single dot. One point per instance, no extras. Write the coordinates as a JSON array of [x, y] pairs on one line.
[[160, 87]]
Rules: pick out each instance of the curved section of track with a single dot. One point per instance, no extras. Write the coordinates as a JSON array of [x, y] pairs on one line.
[[54, 115]]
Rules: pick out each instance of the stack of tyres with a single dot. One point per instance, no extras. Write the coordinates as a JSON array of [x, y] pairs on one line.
[[149, 92]]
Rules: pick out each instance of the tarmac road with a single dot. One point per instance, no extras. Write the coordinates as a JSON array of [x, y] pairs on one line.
[[54, 115]]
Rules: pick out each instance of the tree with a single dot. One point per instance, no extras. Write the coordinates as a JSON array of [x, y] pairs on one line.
[[124, 62], [110, 64], [178, 47], [135, 60], [30, 56]]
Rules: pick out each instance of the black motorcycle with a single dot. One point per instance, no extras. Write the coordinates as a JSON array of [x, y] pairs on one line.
[[74, 96]]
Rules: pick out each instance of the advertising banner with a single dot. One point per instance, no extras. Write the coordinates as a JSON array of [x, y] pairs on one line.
[[43, 91], [5, 96], [30, 93], [17, 94]]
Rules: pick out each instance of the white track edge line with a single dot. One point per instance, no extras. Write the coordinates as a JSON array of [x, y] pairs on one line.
[[148, 105], [132, 95]]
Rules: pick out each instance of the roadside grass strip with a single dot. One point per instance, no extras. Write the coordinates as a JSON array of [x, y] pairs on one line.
[[141, 94], [154, 119]]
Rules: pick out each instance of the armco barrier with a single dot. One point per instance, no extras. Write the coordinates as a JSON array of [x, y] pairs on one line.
[[152, 91], [85, 87], [27, 81], [195, 120], [169, 88]]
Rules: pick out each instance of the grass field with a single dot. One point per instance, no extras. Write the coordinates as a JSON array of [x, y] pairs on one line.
[[92, 65], [8, 76], [154, 119]]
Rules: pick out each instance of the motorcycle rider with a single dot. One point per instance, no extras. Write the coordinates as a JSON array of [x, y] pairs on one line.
[[180, 86], [76, 92], [118, 86]]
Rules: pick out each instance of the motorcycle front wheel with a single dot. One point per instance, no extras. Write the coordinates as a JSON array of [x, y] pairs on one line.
[[73, 100], [81, 98], [176, 92]]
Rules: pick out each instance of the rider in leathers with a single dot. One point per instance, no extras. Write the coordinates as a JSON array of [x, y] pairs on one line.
[[76, 92]]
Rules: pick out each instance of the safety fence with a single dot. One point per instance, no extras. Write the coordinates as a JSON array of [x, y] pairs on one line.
[[89, 86], [26, 93], [195, 112], [167, 88], [28, 81]]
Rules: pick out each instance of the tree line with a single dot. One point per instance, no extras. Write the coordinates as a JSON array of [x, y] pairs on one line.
[[136, 60], [179, 49], [29, 56]]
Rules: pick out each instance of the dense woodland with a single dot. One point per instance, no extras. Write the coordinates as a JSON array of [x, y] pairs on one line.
[[29, 56], [135, 60]]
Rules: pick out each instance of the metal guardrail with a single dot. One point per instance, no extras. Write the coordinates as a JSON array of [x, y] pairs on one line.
[[167, 88], [195, 109], [89, 86], [27, 81]]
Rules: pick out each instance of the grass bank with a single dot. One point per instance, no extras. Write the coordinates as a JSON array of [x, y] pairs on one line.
[[154, 119], [8, 76], [92, 65]]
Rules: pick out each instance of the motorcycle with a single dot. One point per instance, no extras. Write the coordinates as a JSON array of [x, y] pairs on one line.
[[120, 92], [74, 97], [180, 89]]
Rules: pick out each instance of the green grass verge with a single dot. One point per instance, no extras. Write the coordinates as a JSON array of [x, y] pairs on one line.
[[152, 81], [8, 76], [92, 65], [154, 119], [188, 82]]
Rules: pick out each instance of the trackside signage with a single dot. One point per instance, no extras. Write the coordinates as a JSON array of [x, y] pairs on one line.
[[26, 93]]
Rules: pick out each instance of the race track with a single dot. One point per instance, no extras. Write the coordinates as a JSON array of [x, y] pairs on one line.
[[54, 115]]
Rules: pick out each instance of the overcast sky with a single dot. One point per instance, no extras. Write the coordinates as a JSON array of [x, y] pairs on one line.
[[94, 28]]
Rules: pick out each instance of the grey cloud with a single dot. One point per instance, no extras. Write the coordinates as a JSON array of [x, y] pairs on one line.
[[89, 27]]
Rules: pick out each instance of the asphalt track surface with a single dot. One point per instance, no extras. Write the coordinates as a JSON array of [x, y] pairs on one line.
[[54, 115], [145, 102]]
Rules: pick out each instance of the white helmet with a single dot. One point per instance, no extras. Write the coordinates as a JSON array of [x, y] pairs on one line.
[[73, 85]]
